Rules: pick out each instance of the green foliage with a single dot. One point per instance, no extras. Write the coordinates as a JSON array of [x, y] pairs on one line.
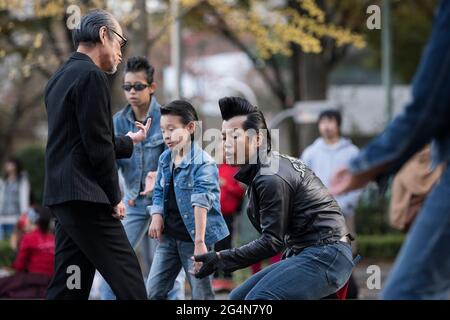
[[411, 27], [371, 212], [380, 246], [6, 254]]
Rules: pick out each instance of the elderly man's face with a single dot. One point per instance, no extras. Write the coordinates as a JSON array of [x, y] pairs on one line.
[[111, 49]]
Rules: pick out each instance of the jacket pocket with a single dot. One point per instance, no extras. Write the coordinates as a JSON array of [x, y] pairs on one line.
[[186, 183]]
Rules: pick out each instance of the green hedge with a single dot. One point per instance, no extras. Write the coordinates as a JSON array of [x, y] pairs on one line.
[[385, 246]]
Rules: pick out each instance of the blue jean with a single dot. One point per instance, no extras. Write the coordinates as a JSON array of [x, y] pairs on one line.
[[314, 273], [136, 225], [171, 255], [6, 230], [422, 268]]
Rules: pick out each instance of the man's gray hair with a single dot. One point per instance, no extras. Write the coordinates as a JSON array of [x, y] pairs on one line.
[[88, 29]]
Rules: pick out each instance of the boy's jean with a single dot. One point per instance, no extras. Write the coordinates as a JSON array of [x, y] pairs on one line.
[[136, 225], [422, 268], [170, 257], [314, 273]]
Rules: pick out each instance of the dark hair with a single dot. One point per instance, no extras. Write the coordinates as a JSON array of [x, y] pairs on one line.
[[88, 29], [183, 109], [44, 219], [18, 164], [331, 114], [136, 64], [235, 106], [180, 108]]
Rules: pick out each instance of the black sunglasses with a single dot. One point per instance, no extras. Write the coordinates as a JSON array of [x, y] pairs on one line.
[[124, 41], [136, 86]]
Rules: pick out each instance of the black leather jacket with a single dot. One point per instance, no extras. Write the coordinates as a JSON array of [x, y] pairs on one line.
[[290, 208]]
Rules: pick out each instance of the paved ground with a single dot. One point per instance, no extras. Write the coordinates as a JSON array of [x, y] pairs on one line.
[[360, 274], [361, 277]]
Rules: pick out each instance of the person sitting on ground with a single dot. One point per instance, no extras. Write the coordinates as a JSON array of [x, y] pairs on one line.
[[34, 262]]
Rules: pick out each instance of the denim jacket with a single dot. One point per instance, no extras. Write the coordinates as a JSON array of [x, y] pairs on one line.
[[196, 183], [145, 154], [427, 117]]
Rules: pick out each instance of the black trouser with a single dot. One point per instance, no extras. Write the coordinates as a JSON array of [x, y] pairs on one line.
[[89, 237], [225, 243]]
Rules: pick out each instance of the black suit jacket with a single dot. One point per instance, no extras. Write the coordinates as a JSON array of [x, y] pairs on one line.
[[80, 160]]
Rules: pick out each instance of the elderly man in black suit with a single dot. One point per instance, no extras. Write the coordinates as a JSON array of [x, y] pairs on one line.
[[81, 181]]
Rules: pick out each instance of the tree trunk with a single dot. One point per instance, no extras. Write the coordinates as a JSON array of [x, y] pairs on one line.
[[314, 77], [139, 36], [313, 86], [293, 127], [139, 46]]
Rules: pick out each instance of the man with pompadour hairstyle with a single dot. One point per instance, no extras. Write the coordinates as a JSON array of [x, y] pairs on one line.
[[290, 208]]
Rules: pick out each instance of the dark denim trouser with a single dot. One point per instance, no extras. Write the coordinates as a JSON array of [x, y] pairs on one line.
[[314, 273]]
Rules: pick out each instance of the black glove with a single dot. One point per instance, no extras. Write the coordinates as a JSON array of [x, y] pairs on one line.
[[211, 263]]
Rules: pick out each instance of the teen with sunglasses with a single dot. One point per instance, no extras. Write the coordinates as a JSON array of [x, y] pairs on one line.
[[139, 171]]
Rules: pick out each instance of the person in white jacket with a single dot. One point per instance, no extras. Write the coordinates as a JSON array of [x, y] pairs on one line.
[[14, 196], [327, 154]]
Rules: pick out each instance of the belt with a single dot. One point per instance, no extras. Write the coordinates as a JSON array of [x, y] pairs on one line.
[[346, 239]]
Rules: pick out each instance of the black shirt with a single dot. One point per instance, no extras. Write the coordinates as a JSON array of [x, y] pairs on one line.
[[143, 178], [174, 224]]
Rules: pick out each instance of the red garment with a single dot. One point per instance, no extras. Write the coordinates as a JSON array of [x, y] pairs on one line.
[[231, 191], [36, 253], [21, 224], [256, 267], [342, 293]]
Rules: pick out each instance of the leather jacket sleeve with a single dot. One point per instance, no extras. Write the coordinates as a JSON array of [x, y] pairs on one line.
[[274, 199]]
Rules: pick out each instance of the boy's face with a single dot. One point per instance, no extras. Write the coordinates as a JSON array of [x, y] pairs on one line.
[[175, 134], [239, 145], [328, 128], [139, 95]]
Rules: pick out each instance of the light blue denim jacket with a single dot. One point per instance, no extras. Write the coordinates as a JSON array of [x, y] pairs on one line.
[[196, 183], [427, 117], [145, 154]]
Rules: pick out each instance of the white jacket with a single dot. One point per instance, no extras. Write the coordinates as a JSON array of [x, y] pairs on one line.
[[326, 159]]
